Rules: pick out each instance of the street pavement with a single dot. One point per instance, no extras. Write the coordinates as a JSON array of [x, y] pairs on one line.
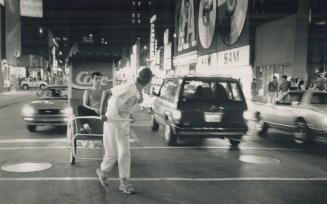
[[193, 172]]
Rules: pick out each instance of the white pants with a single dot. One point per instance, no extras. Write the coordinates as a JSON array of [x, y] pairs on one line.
[[116, 146]]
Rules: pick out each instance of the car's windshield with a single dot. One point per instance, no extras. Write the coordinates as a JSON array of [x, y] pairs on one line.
[[319, 98], [55, 93], [212, 91]]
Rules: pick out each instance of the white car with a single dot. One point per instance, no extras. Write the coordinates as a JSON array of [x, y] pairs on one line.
[[51, 109], [32, 83], [304, 113]]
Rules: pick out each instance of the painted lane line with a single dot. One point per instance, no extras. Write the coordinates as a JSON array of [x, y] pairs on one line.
[[157, 148], [6, 141], [168, 179]]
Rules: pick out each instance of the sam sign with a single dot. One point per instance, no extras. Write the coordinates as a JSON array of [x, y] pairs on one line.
[[235, 57], [31, 8]]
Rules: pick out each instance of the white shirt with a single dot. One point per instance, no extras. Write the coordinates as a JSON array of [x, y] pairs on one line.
[[122, 102]]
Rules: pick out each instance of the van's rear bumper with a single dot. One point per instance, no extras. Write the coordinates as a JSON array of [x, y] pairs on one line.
[[205, 132]]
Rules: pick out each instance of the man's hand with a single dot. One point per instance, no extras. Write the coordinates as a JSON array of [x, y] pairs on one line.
[[103, 118], [97, 110]]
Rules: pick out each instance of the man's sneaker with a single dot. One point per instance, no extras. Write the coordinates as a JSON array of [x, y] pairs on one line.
[[128, 189], [102, 178], [86, 129]]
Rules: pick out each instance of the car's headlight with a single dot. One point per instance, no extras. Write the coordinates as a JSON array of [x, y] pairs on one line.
[[247, 115], [324, 120], [28, 111], [67, 111]]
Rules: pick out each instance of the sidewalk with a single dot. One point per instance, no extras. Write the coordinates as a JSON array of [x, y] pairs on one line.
[[13, 97]]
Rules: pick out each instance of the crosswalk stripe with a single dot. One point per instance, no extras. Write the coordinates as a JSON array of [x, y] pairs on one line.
[[169, 179]]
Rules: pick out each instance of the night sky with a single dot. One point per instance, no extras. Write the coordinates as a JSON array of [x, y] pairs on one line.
[[110, 19]]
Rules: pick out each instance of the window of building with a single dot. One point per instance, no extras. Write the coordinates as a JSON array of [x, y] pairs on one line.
[[139, 3]]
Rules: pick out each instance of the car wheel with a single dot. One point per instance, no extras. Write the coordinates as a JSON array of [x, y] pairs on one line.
[[25, 86], [302, 133], [154, 124], [170, 137], [31, 128], [42, 86], [234, 142], [261, 126]]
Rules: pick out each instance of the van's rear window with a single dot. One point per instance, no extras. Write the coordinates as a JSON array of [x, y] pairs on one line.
[[210, 90]]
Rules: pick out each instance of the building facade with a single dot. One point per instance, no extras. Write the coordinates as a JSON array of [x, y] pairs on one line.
[[251, 39]]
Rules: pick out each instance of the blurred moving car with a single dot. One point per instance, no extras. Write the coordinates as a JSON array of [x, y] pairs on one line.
[[30, 82], [304, 113], [51, 109], [200, 107]]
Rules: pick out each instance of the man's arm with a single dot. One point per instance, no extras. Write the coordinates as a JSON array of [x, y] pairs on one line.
[[104, 100], [86, 100]]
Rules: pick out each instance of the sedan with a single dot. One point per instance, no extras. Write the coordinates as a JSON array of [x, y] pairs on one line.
[[50, 110], [304, 113]]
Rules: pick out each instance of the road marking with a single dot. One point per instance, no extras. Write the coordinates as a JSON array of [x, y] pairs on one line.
[[155, 148], [6, 141], [168, 179], [143, 123]]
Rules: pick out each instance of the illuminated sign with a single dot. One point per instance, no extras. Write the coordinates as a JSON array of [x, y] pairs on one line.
[[207, 22], [31, 8], [186, 33], [83, 80], [235, 57]]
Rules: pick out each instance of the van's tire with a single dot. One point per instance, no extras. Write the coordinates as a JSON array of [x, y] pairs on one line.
[[170, 137], [154, 124], [31, 128], [234, 142], [42, 86], [25, 87]]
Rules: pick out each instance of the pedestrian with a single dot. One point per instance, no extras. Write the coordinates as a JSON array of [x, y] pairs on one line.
[[285, 85], [120, 102], [294, 83], [300, 85], [273, 90], [254, 88]]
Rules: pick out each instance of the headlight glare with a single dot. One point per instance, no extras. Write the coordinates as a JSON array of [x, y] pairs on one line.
[[28, 110], [67, 111]]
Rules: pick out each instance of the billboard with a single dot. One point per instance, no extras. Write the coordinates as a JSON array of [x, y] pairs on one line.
[[186, 19], [31, 8], [211, 26]]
